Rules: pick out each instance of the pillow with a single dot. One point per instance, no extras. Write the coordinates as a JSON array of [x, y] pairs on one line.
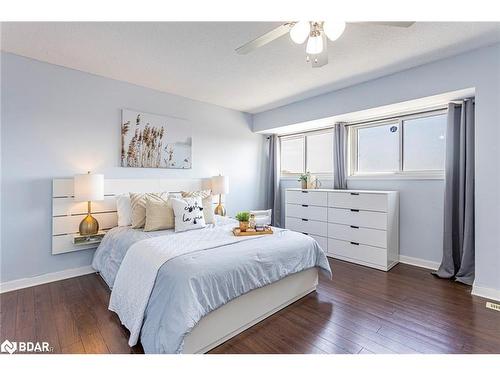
[[138, 203], [159, 213], [124, 210], [206, 196], [262, 217], [188, 214]]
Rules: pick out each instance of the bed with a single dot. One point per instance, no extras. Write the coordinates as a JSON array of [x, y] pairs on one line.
[[189, 292]]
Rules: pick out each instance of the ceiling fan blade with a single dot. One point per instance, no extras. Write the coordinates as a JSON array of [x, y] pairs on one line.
[[264, 39], [389, 23]]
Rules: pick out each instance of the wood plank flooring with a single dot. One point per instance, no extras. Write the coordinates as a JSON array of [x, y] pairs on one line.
[[361, 310]]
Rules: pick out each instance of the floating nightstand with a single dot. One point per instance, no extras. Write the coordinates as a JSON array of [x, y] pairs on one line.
[[79, 239]]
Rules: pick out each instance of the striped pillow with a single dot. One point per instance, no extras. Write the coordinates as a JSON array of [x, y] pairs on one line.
[[206, 196], [138, 203]]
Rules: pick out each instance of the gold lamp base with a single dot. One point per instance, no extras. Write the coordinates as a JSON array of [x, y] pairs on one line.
[[89, 225], [220, 209]]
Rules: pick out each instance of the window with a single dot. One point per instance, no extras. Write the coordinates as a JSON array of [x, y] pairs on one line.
[[407, 145], [423, 143], [378, 148], [308, 152], [292, 155]]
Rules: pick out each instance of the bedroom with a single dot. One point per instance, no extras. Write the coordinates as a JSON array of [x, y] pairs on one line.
[[327, 188]]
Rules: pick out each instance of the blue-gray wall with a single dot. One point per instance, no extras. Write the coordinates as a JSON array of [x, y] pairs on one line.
[[479, 69], [57, 122]]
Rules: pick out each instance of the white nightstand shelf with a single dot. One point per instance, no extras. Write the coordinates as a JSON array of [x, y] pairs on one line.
[[95, 239]]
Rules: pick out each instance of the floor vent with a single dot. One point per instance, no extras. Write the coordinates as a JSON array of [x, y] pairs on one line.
[[493, 306]]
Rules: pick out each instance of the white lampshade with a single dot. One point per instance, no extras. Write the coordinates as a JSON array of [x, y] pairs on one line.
[[333, 29], [89, 187], [314, 45], [300, 31], [220, 185]]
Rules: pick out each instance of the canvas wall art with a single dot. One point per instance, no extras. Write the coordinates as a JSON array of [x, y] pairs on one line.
[[155, 141]]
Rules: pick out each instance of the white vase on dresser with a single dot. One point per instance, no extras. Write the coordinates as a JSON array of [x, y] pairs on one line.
[[358, 226]]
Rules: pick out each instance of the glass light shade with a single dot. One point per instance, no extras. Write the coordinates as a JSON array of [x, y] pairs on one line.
[[220, 185], [300, 31], [89, 187], [314, 45], [333, 29]]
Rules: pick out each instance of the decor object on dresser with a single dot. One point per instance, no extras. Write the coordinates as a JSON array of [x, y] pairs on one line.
[[87, 188], [304, 180], [154, 141], [220, 185], [358, 226], [243, 218]]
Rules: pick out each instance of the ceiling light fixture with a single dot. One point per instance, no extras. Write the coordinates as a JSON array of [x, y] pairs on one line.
[[300, 31], [333, 29]]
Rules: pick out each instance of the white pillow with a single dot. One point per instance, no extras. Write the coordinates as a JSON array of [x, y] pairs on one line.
[[188, 214], [262, 217], [124, 210]]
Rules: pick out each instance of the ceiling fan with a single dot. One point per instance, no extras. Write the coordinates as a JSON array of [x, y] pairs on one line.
[[317, 34]]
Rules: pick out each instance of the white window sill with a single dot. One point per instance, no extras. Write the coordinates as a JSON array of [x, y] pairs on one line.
[[395, 176]]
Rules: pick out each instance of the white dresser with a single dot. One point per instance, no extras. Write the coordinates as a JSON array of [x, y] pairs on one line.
[[358, 226]]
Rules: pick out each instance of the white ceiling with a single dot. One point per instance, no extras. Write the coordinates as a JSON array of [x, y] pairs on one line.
[[197, 59]]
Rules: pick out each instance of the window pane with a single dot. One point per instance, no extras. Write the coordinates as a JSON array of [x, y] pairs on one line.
[[378, 148], [320, 153], [424, 142], [292, 155]]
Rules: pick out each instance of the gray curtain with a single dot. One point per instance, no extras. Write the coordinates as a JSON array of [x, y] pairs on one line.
[[458, 241], [273, 193], [340, 155]]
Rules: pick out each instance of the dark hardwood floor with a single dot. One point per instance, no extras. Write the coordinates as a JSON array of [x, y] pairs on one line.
[[361, 310]]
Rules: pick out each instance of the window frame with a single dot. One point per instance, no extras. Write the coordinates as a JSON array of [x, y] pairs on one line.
[[304, 135], [352, 151]]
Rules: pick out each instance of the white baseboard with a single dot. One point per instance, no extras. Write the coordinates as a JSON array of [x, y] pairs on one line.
[[419, 262], [485, 292], [43, 279]]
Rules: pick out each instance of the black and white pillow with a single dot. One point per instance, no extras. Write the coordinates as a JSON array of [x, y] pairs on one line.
[[188, 214]]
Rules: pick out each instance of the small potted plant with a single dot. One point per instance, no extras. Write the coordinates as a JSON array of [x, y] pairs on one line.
[[243, 218], [303, 179]]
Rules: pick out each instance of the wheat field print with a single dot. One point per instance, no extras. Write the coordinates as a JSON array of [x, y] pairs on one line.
[[154, 141]]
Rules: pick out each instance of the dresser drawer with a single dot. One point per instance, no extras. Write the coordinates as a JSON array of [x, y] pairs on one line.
[[366, 236], [313, 198], [360, 218], [307, 226], [363, 253], [364, 201], [322, 242], [304, 211]]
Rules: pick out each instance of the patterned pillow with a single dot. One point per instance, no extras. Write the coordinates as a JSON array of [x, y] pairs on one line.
[[188, 214], [206, 196], [159, 213], [138, 203]]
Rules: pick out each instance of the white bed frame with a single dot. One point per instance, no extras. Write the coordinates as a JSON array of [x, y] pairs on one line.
[[247, 310], [219, 325]]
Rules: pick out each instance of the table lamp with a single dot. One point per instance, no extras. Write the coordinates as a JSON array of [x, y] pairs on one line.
[[87, 188], [220, 185]]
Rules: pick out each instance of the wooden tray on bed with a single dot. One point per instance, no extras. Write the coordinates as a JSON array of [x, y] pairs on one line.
[[251, 232]]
